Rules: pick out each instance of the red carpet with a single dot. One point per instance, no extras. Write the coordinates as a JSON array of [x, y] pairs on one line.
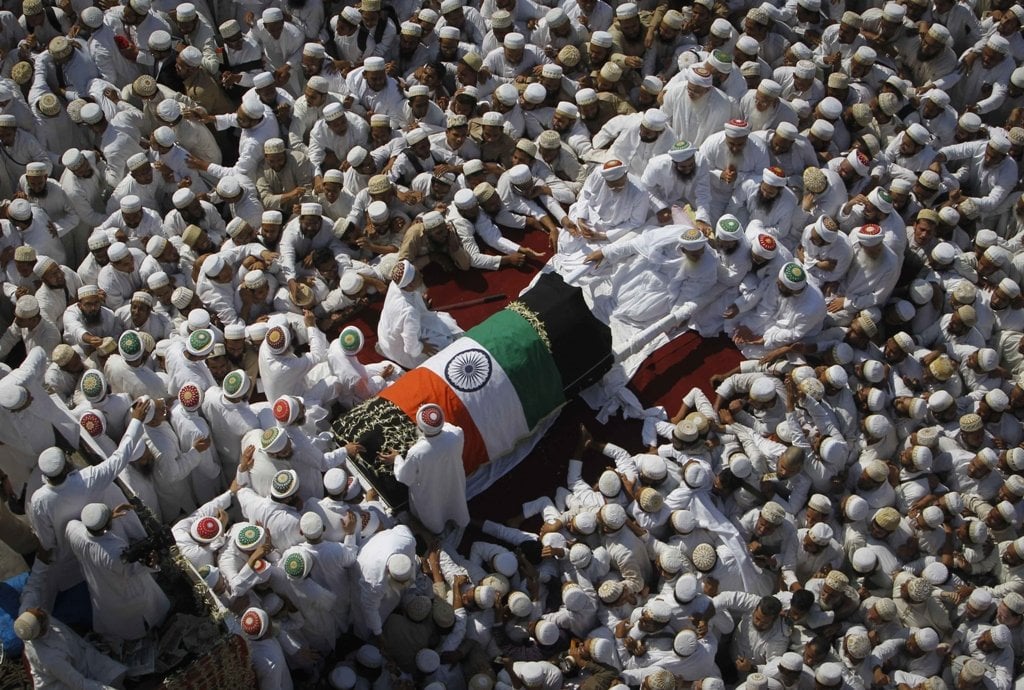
[[663, 379]]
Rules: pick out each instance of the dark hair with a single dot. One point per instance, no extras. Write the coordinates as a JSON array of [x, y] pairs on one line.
[[322, 256], [802, 600], [770, 606], [531, 550]]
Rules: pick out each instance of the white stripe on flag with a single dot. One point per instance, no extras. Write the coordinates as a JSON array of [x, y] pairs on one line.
[[486, 391]]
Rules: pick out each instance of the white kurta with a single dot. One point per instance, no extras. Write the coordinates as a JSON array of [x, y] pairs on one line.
[[126, 600], [229, 422], [286, 374], [378, 597], [406, 323], [270, 665], [61, 660], [697, 120], [433, 471], [358, 381], [658, 278]]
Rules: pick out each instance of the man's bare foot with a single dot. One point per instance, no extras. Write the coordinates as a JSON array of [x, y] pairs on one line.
[[515, 521]]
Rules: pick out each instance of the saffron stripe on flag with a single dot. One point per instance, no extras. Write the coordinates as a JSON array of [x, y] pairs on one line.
[[421, 386], [517, 348]]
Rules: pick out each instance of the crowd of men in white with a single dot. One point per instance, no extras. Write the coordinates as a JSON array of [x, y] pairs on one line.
[[840, 195]]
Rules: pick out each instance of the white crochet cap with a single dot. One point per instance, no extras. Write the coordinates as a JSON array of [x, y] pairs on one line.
[[856, 508], [400, 567], [740, 465], [820, 534], [836, 376], [342, 678], [773, 513], [704, 557], [546, 633], [683, 521], [756, 681], [505, 563], [763, 389], [922, 458], [864, 560], [980, 599], [932, 516], [935, 573], [311, 525], [613, 516], [829, 674], [857, 643], [685, 643], [671, 561], [821, 503], [574, 598], [585, 522], [877, 425], [791, 661], [1015, 602], [1001, 636], [519, 604], [609, 484], [531, 673], [610, 591], [919, 589], [927, 639], [580, 555], [695, 475], [686, 588], [873, 370], [652, 467]]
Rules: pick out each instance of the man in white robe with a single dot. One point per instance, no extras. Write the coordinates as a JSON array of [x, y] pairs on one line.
[[732, 156], [409, 331], [357, 381], [66, 491], [29, 327], [126, 600], [675, 180], [669, 273], [35, 228], [59, 658], [825, 253], [770, 202], [696, 109], [384, 568], [30, 418], [612, 205], [432, 469], [791, 311], [874, 270], [284, 373], [471, 222], [120, 278], [764, 109], [636, 139], [85, 186]]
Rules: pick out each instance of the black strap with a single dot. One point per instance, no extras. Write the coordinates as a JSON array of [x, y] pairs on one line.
[[62, 80], [51, 16], [378, 31], [414, 160]]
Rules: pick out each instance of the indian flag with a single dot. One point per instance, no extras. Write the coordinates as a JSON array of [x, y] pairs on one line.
[[498, 382]]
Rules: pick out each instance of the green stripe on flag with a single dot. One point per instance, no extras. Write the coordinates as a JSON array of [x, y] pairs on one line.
[[515, 345]]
